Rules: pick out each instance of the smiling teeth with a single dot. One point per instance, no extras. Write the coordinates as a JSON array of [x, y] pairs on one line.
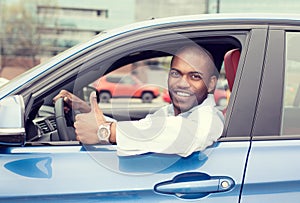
[[183, 94]]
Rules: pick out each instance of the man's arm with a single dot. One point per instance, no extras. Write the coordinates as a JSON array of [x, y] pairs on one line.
[[158, 134], [169, 135]]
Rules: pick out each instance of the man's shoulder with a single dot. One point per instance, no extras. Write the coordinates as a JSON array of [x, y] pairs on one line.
[[163, 111]]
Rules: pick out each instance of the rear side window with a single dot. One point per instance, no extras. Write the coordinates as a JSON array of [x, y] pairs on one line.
[[127, 80], [291, 102], [113, 79]]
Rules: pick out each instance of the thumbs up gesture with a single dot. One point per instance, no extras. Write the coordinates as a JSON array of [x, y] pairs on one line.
[[86, 124]]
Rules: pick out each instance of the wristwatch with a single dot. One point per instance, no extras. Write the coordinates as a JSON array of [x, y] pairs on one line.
[[103, 133]]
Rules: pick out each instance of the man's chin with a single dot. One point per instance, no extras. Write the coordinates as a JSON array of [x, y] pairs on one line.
[[183, 106]]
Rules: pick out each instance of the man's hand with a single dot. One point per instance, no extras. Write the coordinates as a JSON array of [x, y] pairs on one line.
[[72, 101], [86, 124]]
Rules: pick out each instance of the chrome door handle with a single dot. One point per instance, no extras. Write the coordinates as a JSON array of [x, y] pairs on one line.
[[195, 185]]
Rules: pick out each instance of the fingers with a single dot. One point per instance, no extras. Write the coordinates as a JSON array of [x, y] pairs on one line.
[[95, 108], [57, 97], [67, 97], [86, 128], [61, 94]]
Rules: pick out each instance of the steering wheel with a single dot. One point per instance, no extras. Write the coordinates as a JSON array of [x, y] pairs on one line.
[[65, 133]]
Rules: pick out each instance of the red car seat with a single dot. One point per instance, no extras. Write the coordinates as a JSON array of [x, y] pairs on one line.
[[231, 61]]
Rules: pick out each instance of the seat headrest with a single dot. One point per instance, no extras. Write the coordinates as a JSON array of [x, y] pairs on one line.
[[231, 61]]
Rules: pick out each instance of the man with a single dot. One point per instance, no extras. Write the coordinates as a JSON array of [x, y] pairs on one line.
[[191, 123]]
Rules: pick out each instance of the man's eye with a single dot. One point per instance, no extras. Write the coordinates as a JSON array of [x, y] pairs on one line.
[[196, 77], [174, 74]]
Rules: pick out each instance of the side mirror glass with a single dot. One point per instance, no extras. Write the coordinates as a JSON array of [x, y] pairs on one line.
[[12, 130]]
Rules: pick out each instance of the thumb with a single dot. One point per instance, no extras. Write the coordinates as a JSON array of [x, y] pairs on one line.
[[93, 101], [95, 108]]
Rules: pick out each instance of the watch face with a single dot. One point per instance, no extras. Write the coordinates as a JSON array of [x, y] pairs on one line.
[[103, 132]]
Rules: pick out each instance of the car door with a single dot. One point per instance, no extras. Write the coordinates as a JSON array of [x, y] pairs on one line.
[[272, 173], [69, 171]]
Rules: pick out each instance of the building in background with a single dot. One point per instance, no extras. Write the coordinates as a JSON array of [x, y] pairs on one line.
[[71, 22], [42, 29], [146, 9], [257, 6]]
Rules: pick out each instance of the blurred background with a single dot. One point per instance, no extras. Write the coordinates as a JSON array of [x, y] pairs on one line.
[[32, 31]]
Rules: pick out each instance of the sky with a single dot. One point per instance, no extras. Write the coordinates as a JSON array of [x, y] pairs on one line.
[[259, 6], [226, 6]]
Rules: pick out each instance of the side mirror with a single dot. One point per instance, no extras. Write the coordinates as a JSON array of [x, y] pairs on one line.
[[12, 131]]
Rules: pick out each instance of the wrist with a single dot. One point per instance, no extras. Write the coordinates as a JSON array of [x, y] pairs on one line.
[[112, 137]]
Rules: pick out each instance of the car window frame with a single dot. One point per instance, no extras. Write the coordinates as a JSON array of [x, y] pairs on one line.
[[242, 104], [239, 34], [270, 129], [79, 64], [269, 108]]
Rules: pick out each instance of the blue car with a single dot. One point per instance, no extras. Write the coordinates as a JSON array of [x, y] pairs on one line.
[[255, 160]]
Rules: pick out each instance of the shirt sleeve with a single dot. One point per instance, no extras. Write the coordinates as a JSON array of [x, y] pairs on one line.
[[170, 135]]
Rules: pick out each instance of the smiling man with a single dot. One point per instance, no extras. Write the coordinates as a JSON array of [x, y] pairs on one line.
[[191, 123], [192, 76]]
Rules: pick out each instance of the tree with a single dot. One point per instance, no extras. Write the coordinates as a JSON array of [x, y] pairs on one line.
[[21, 23]]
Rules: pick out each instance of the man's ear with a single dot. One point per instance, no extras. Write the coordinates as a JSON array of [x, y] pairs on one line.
[[212, 84]]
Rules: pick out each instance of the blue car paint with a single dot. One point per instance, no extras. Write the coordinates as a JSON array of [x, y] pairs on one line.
[[31, 167], [63, 173], [279, 183]]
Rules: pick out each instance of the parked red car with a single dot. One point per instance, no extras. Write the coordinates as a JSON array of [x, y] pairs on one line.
[[124, 86]]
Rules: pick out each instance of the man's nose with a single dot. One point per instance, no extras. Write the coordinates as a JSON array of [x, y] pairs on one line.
[[183, 82]]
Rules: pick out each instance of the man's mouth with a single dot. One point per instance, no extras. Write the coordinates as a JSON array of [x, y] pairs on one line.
[[183, 94]]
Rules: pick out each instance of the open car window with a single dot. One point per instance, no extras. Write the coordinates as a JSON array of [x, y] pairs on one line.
[[139, 84], [131, 81], [143, 84]]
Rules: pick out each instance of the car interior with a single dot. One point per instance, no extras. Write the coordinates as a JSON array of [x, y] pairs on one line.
[[44, 118]]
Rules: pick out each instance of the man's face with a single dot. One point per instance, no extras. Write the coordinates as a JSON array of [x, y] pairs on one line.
[[189, 82]]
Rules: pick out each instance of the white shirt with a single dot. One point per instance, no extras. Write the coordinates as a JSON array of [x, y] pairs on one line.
[[162, 132]]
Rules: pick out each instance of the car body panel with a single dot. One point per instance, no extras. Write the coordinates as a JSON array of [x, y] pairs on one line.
[[55, 170], [278, 183]]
